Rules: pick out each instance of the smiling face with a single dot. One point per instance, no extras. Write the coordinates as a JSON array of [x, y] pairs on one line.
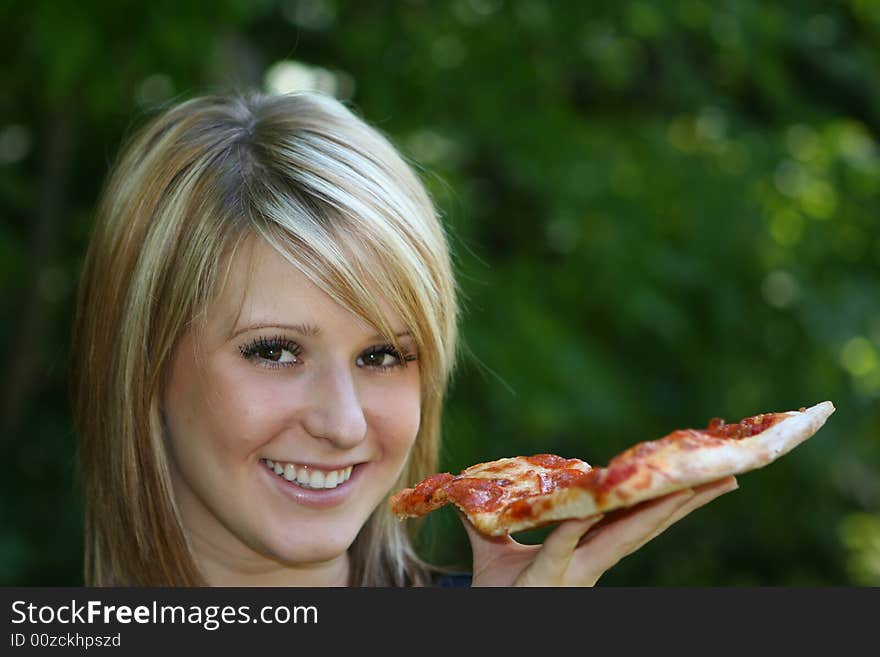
[[287, 425]]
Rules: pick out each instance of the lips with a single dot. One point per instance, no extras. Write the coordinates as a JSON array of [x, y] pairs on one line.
[[308, 476]]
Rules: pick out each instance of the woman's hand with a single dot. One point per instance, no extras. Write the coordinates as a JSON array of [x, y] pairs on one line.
[[578, 552]]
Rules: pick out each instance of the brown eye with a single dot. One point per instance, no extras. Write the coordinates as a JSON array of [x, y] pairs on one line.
[[274, 352], [378, 359], [383, 358]]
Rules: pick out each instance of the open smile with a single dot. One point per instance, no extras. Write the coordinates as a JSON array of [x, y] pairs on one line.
[[307, 476]]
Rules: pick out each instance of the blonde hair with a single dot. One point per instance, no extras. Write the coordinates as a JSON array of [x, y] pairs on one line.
[[331, 195]]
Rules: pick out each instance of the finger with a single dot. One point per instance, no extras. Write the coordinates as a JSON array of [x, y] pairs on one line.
[[483, 545], [497, 560], [632, 521], [552, 560], [622, 533], [702, 496]]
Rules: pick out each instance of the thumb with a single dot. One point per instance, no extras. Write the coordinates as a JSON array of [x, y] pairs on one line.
[[483, 545], [497, 560]]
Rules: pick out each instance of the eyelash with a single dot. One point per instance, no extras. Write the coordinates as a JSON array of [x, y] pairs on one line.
[[251, 350]]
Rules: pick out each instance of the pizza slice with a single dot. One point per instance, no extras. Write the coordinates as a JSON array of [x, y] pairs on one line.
[[524, 492]]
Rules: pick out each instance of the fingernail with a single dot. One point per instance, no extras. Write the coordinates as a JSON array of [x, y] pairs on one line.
[[685, 494], [589, 521]]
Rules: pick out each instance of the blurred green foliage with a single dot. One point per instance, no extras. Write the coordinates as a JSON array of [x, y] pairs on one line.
[[661, 212]]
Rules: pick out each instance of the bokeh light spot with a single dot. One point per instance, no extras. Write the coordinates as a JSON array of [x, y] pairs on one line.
[[858, 356], [786, 227], [860, 534], [154, 89], [288, 76], [819, 200], [790, 178], [311, 14], [780, 289], [15, 143]]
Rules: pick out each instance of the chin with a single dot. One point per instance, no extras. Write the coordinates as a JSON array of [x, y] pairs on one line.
[[317, 548]]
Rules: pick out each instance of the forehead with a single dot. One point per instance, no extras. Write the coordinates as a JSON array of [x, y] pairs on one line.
[[261, 286]]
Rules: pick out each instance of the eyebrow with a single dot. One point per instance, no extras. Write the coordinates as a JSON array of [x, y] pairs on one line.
[[307, 330]]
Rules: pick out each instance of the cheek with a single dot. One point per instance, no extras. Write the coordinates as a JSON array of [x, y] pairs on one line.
[[220, 412], [245, 411], [395, 414]]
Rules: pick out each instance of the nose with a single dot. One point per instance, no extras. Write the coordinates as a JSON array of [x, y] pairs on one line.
[[334, 412]]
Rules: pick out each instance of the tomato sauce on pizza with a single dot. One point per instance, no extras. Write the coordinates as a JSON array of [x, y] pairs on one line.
[[518, 493]]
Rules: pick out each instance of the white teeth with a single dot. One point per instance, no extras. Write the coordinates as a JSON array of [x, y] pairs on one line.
[[316, 480], [309, 477]]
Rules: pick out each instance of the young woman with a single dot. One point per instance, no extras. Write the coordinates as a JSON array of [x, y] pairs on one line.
[[266, 326]]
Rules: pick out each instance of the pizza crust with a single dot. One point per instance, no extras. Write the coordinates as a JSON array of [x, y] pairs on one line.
[[520, 493], [668, 469]]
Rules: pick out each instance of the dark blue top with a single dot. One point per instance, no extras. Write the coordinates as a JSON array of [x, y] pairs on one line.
[[452, 580]]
